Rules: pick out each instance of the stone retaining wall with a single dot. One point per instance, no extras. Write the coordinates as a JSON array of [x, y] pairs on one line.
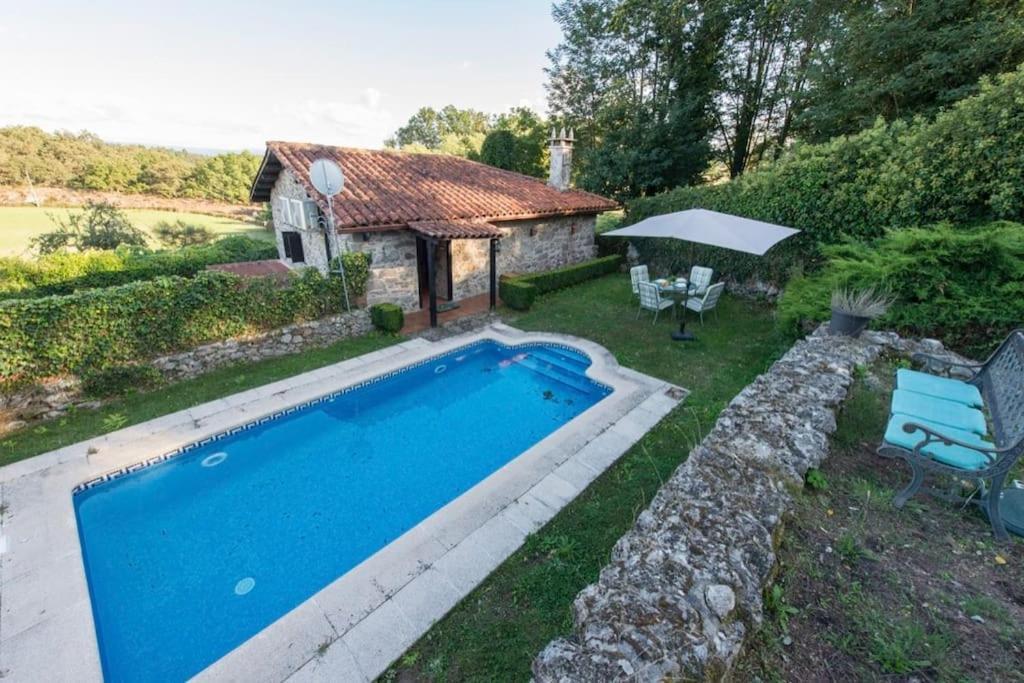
[[684, 585], [279, 342], [51, 398]]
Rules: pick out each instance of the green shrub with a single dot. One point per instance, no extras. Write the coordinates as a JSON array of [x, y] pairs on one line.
[[357, 271], [66, 272], [92, 330], [559, 278], [387, 317], [119, 379], [964, 286], [519, 291], [517, 294], [182, 234], [965, 165], [100, 225]]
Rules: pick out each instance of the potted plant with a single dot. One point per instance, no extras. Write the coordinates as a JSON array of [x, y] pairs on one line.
[[852, 310]]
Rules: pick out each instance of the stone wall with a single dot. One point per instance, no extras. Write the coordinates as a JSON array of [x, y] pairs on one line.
[[52, 398], [393, 275], [280, 342], [314, 246], [684, 586], [527, 247]]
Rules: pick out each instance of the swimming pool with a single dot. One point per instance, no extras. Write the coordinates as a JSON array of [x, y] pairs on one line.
[[190, 557]]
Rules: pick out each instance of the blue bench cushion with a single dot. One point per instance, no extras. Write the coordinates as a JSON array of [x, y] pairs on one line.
[[940, 387], [951, 454], [938, 410]]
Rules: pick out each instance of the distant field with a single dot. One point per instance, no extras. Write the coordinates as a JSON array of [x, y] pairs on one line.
[[19, 224]]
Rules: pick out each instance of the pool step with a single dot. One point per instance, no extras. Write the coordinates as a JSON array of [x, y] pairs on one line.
[[564, 360], [558, 374]]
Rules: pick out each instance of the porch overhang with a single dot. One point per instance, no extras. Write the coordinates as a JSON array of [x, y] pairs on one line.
[[444, 231], [455, 230]]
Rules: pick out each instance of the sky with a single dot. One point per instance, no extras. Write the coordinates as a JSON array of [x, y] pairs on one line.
[[228, 74]]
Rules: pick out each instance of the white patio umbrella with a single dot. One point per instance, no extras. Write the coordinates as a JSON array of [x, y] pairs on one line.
[[700, 226]]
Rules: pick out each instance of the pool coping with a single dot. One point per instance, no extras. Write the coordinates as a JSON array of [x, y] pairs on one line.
[[356, 626]]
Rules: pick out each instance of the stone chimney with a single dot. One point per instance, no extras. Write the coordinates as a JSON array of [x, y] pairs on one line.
[[561, 159]]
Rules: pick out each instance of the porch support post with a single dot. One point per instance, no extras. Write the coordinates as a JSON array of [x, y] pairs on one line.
[[432, 279], [494, 274]]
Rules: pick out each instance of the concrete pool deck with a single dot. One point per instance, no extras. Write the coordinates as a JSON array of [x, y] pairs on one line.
[[357, 625]]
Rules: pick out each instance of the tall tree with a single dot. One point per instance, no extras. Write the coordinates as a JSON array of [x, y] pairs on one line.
[[450, 129], [518, 141], [636, 79], [901, 58], [765, 61]]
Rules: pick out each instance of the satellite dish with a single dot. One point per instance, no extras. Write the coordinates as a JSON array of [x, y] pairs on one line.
[[327, 177]]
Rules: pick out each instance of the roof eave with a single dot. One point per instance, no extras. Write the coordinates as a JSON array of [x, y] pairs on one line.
[[256, 184], [386, 227]]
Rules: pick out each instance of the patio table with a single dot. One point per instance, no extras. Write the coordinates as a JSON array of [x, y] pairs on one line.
[[679, 294]]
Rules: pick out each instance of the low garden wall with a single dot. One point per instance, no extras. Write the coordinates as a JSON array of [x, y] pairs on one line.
[[684, 585], [52, 397], [279, 342]]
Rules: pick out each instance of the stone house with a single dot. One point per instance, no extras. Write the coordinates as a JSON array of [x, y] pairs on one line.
[[437, 228]]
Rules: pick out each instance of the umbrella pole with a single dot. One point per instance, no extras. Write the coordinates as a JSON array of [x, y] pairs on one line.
[[682, 334]]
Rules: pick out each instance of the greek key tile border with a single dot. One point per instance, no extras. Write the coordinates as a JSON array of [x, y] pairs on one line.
[[112, 475]]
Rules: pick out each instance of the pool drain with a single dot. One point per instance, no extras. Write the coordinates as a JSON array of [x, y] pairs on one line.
[[245, 585], [214, 459]]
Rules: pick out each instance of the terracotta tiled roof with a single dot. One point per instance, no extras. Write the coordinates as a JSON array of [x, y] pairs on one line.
[[386, 188], [455, 229]]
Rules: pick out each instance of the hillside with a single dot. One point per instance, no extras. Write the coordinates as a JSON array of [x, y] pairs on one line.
[[82, 161]]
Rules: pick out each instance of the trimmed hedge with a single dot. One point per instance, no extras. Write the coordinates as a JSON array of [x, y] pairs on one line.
[[559, 278], [518, 292], [92, 330], [64, 273], [963, 286], [965, 166], [387, 317]]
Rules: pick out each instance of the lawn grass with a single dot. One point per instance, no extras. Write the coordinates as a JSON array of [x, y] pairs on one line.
[[19, 224], [84, 424], [868, 592], [496, 631]]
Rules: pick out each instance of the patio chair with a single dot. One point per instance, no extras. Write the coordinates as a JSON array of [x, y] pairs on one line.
[[700, 280], [936, 425], [638, 274], [707, 302], [651, 300]]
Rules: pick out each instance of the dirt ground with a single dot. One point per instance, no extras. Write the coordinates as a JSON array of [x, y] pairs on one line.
[[869, 592], [57, 196]]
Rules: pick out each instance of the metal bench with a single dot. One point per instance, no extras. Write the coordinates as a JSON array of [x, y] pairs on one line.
[[934, 423]]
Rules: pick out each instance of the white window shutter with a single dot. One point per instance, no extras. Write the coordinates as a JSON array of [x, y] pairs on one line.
[[284, 207], [298, 217]]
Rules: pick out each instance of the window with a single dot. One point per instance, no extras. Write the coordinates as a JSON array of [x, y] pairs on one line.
[[312, 213], [298, 215], [284, 211], [293, 246]]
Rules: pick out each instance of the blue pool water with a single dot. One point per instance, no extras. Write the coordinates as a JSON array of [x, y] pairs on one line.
[[189, 558]]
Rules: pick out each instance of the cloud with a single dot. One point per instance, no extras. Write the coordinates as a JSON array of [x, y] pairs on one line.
[[357, 124], [466, 65], [220, 125], [371, 97]]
